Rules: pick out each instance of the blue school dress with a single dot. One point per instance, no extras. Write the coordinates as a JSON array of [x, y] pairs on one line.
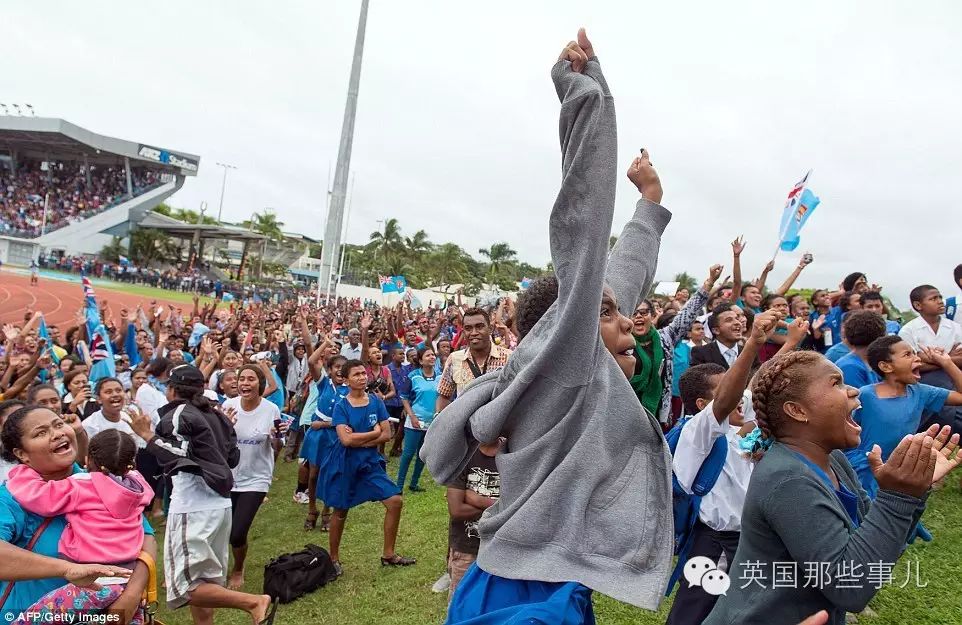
[[352, 476], [317, 443], [886, 421], [485, 599]]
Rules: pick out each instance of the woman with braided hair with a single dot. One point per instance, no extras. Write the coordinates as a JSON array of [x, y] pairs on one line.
[[805, 508]]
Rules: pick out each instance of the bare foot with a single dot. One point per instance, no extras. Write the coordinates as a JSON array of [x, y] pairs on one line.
[[259, 613], [236, 580]]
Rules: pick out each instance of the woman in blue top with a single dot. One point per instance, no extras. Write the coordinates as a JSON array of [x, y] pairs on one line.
[[354, 470], [419, 406], [40, 437], [893, 408], [320, 437]]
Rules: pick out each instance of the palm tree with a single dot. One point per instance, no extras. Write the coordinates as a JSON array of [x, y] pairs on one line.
[[686, 281], [500, 256], [448, 264], [387, 242], [147, 246], [418, 244], [266, 223], [113, 250], [190, 217]]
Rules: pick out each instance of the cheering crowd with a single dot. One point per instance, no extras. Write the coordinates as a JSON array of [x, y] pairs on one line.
[[586, 433], [71, 197]]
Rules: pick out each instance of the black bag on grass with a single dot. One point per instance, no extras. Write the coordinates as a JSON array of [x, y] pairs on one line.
[[292, 575]]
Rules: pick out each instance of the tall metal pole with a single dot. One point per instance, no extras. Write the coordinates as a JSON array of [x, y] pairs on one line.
[[223, 186], [335, 217], [347, 224]]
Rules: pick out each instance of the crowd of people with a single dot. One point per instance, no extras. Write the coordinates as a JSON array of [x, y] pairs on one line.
[[586, 434], [64, 186]]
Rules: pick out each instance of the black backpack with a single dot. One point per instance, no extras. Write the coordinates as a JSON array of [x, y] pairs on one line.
[[292, 575]]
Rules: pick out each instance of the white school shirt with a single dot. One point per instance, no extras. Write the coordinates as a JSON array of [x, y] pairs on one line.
[[721, 508], [255, 470], [730, 354], [918, 333], [97, 423]]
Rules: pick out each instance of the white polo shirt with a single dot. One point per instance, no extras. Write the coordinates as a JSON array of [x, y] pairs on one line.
[[918, 333]]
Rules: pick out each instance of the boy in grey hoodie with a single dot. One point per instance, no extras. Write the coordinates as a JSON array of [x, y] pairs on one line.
[[585, 490]]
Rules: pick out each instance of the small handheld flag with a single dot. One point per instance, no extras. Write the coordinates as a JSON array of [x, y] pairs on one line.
[[799, 206]]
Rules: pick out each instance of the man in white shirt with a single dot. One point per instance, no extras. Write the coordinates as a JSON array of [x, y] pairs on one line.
[[352, 349], [713, 396], [931, 329]]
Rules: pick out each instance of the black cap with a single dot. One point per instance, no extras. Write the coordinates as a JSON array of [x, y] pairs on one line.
[[186, 375]]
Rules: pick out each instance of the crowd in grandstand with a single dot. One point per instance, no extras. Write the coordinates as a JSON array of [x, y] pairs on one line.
[[573, 428], [70, 197]]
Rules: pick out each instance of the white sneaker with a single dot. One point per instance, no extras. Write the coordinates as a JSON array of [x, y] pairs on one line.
[[301, 498], [442, 585]]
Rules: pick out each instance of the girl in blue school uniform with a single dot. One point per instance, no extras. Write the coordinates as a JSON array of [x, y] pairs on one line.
[[353, 471], [320, 436], [893, 408]]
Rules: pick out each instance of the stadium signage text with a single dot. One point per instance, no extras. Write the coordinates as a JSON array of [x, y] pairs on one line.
[[163, 156]]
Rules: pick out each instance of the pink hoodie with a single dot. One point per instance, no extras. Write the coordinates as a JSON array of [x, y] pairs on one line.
[[104, 517]]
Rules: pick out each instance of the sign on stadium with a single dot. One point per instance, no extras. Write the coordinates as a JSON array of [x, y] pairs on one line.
[[163, 156]]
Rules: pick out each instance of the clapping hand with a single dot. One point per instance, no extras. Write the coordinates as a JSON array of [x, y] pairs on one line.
[[918, 461]]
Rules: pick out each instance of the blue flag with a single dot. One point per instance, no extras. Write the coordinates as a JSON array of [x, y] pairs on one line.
[[393, 284], [43, 333], [101, 352], [799, 206]]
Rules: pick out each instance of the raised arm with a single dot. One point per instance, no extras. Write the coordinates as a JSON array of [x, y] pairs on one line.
[[760, 283], [677, 330], [580, 223], [633, 260], [738, 245], [790, 280]]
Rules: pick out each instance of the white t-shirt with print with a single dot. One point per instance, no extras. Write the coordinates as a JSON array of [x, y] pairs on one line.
[[255, 471], [97, 423]]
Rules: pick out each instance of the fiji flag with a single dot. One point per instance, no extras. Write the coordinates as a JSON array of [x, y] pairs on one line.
[[799, 206], [387, 284], [43, 333], [400, 284], [101, 353]]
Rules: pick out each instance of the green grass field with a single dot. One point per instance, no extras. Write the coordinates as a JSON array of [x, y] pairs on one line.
[[368, 593]]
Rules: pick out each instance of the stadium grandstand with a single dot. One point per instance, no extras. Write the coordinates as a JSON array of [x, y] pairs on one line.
[[68, 191]]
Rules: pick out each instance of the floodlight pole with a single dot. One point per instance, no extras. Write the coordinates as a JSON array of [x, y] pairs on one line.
[[223, 186], [330, 252]]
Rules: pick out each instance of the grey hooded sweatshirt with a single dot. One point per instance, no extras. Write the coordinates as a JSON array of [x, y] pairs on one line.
[[585, 482]]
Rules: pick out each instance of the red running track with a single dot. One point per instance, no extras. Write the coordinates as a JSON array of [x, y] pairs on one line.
[[59, 301]]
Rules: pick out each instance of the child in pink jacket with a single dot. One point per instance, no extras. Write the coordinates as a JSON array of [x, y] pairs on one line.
[[104, 512]]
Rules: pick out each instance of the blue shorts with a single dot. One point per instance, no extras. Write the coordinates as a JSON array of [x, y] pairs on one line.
[[485, 599]]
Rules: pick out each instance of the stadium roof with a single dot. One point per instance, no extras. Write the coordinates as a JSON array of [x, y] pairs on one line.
[[43, 137], [171, 226]]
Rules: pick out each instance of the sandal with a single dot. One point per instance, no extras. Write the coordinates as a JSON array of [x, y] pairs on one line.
[[311, 521], [325, 522], [397, 560], [338, 569], [269, 619]]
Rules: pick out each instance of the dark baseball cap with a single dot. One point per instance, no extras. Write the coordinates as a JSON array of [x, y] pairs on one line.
[[186, 375]]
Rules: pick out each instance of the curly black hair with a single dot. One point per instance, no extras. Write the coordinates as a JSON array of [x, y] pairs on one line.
[[534, 302], [861, 327]]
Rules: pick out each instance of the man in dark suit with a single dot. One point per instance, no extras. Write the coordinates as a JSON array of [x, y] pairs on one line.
[[727, 328]]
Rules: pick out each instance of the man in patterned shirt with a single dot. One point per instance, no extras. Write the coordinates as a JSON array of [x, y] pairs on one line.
[[465, 365]]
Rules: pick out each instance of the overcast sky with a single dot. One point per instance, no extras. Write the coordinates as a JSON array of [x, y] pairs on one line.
[[457, 121]]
